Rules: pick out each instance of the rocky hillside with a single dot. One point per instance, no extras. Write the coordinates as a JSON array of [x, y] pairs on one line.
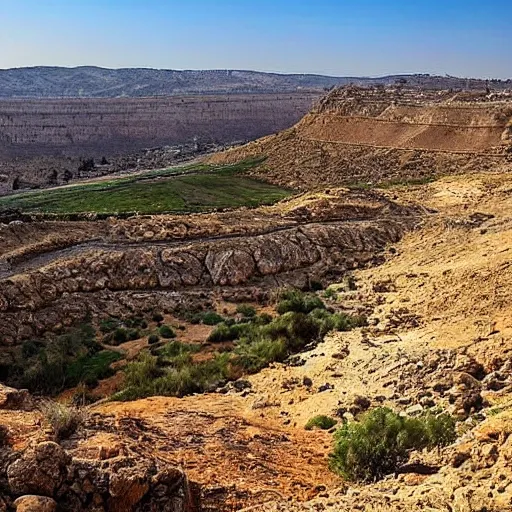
[[93, 82], [361, 135]]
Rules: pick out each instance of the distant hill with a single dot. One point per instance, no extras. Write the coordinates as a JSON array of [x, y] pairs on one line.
[[94, 82]]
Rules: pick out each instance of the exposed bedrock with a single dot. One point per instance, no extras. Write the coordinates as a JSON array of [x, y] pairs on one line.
[[36, 301]]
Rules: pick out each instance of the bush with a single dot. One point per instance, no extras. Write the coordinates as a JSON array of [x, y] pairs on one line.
[[298, 302], [120, 335], [255, 355], [322, 422], [377, 445], [133, 334], [63, 419], [157, 317], [108, 325], [211, 318], [154, 338], [144, 377], [246, 310], [167, 332]]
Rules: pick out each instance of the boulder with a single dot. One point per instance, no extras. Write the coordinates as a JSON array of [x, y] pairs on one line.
[[39, 471], [33, 503], [13, 399]]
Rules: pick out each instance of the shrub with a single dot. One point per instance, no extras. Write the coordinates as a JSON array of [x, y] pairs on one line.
[[144, 377], [157, 317], [298, 302], [246, 310], [322, 422], [133, 334], [167, 332], [263, 319], [378, 444], [108, 325], [211, 318], [120, 335], [63, 419], [255, 355], [154, 338]]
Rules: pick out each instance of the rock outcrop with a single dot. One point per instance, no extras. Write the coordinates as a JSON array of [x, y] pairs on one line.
[[45, 474]]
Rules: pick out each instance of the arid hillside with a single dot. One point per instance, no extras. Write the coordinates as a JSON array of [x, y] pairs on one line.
[[358, 136]]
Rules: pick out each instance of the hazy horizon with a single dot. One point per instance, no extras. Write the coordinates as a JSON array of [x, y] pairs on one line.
[[327, 37]]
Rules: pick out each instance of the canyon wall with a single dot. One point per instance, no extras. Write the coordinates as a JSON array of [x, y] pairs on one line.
[[42, 141]]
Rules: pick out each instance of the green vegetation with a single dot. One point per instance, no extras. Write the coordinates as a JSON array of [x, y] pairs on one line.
[[63, 419], [380, 443], [193, 189], [246, 310], [154, 338], [321, 421], [257, 341], [167, 332], [211, 318], [50, 366], [171, 372]]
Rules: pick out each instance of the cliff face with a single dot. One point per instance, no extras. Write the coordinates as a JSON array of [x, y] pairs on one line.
[[41, 140], [372, 135], [108, 126]]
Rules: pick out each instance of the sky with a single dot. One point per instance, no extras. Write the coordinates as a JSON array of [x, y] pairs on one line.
[[336, 37]]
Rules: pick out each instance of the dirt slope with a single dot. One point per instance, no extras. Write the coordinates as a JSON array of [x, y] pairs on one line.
[[373, 135]]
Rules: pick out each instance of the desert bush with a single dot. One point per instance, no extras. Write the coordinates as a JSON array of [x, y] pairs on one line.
[[252, 356], [133, 334], [120, 335], [154, 338], [63, 419], [246, 310], [321, 421], [211, 318], [167, 332], [298, 302], [380, 443], [145, 378]]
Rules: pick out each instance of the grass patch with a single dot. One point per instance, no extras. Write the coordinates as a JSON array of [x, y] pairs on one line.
[[196, 190], [321, 422], [380, 443], [63, 419], [50, 366]]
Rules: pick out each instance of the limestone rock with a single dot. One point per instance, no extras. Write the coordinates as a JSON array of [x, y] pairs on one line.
[[39, 471], [33, 503]]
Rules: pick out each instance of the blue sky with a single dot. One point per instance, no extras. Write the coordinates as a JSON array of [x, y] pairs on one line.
[[357, 37]]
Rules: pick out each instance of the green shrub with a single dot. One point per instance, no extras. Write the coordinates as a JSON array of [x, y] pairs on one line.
[[154, 338], [322, 422], [246, 310], [108, 325], [252, 356], [167, 332], [225, 332], [298, 302], [120, 336], [211, 318], [377, 445], [133, 334], [145, 378], [263, 319], [63, 419]]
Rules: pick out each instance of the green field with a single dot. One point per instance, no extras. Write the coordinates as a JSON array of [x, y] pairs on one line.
[[191, 189]]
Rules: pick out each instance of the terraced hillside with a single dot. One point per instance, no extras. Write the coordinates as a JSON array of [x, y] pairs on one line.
[[359, 135]]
